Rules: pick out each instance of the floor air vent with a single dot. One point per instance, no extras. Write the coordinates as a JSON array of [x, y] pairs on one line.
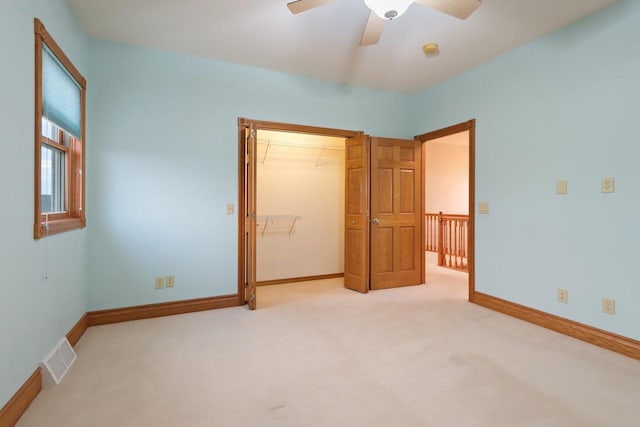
[[58, 361]]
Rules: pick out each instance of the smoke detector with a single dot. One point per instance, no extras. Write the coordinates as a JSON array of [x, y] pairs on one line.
[[431, 49]]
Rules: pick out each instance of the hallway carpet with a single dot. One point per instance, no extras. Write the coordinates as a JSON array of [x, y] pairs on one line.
[[316, 354]]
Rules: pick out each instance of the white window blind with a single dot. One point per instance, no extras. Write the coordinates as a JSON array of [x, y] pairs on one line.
[[60, 95]]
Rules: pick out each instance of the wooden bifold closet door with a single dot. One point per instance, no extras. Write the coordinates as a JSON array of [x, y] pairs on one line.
[[250, 218], [356, 232]]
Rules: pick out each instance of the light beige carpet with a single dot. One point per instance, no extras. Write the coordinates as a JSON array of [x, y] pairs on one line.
[[316, 354]]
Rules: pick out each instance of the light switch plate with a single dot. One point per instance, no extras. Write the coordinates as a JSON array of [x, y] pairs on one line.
[[609, 306], [608, 184], [483, 207], [229, 208], [561, 186]]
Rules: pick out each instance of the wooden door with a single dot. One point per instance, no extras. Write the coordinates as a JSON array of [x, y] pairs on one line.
[[396, 213], [250, 216], [356, 235]]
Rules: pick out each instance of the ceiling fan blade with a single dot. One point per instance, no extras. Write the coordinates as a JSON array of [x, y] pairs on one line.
[[303, 5], [372, 31], [459, 8]]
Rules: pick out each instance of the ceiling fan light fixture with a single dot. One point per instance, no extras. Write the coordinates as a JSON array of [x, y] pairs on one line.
[[388, 9]]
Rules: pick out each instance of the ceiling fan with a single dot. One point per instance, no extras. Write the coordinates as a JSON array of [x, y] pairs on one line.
[[386, 10]]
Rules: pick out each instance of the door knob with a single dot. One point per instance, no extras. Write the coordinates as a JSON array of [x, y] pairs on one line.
[[376, 221]]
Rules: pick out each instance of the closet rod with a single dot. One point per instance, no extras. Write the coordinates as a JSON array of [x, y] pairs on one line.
[[272, 143]]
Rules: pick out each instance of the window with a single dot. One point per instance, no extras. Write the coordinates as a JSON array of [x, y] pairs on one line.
[[59, 139]]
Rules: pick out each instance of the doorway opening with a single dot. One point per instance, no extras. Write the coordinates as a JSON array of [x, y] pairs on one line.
[[448, 201], [287, 197], [300, 207]]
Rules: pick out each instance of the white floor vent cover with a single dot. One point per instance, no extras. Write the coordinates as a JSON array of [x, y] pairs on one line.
[[58, 361]]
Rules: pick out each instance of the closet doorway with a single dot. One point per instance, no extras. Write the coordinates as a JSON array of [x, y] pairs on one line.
[[276, 229], [300, 207]]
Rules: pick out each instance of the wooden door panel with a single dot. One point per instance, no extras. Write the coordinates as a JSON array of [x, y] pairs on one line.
[[356, 243], [354, 152], [383, 251], [407, 154], [385, 190], [406, 247], [354, 262], [407, 191], [384, 153], [355, 181], [396, 229]]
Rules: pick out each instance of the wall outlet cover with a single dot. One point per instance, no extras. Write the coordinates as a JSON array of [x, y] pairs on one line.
[[563, 296], [608, 184]]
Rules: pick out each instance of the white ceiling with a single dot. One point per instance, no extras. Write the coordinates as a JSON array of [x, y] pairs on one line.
[[323, 42]]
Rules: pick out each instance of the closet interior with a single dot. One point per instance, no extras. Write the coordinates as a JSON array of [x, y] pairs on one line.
[[300, 206]]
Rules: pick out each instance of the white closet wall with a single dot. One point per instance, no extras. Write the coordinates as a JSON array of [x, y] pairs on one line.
[[300, 201]]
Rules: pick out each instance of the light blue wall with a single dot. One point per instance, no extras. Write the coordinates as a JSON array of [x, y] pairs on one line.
[[163, 163], [562, 107], [34, 313]]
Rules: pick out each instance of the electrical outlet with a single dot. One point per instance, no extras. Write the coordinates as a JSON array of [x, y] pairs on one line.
[[609, 305], [607, 184], [563, 296], [171, 281], [159, 282]]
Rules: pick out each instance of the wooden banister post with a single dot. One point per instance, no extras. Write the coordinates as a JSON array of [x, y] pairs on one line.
[[440, 240]]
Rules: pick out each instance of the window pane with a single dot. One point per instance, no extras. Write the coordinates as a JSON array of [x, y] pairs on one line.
[[60, 95], [51, 131], [52, 180]]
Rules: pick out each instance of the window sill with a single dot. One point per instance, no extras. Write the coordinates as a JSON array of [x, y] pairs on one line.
[[58, 226]]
